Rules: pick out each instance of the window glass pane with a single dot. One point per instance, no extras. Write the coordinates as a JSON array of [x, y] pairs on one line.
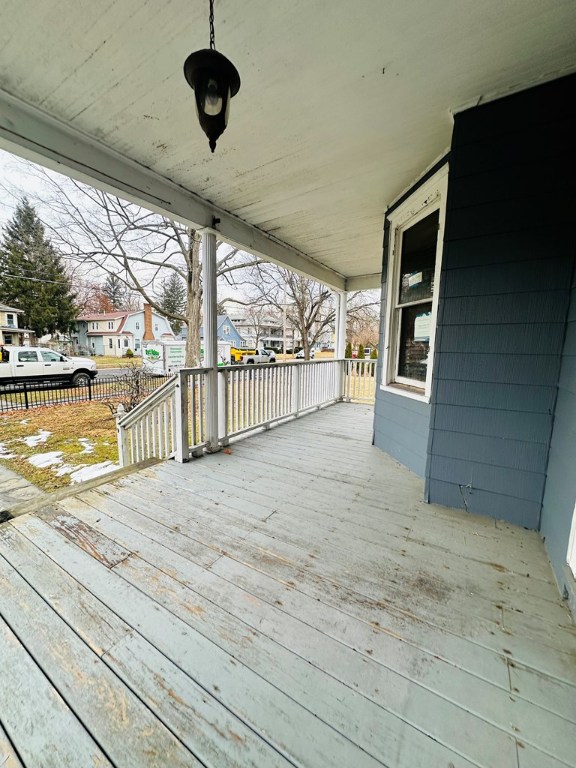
[[27, 357], [50, 357], [415, 327], [418, 260]]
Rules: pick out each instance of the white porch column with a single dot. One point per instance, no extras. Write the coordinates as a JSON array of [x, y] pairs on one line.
[[210, 337], [341, 308], [340, 349]]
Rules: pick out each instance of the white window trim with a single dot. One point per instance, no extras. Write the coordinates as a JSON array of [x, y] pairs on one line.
[[430, 197]]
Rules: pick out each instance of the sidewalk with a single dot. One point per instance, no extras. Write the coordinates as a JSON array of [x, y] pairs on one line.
[[14, 489]]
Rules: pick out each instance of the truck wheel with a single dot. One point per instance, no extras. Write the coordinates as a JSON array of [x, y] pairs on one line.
[[249, 362], [272, 360], [80, 379]]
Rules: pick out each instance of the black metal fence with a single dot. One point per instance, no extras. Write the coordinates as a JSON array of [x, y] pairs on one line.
[[21, 396]]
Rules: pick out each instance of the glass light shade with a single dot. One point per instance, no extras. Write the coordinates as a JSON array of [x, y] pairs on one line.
[[214, 80]]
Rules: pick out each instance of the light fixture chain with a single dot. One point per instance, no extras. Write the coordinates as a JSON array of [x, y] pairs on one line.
[[212, 43]]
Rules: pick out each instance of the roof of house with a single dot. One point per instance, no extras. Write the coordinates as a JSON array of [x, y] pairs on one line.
[[94, 316], [6, 308], [109, 333], [102, 316]]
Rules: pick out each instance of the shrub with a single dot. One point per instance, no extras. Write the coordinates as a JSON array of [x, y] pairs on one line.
[[360, 356], [348, 351], [373, 356], [129, 353]]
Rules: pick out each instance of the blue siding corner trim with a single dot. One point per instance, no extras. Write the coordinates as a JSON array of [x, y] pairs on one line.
[[560, 492], [504, 299]]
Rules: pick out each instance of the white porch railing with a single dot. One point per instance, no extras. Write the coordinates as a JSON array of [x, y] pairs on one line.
[[172, 422], [360, 381], [169, 423], [251, 397]]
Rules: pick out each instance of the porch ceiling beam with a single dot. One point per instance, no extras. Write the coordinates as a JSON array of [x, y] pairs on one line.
[[31, 133], [364, 282]]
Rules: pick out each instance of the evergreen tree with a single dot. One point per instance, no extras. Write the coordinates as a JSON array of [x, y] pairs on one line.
[[114, 289], [32, 276], [348, 351], [173, 299]]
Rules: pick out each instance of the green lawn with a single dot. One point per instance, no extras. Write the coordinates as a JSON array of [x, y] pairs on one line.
[[68, 438]]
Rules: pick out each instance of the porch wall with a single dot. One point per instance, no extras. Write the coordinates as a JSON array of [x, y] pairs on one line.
[[504, 296], [560, 493], [401, 425]]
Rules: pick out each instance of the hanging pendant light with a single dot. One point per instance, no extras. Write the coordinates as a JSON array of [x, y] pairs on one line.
[[214, 80]]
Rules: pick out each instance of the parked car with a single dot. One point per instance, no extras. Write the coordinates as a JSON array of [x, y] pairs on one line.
[[259, 356], [300, 355], [38, 364]]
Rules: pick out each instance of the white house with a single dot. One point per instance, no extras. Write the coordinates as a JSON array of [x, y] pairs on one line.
[[10, 333], [113, 333]]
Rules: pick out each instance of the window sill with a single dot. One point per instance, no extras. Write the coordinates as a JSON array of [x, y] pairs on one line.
[[405, 391]]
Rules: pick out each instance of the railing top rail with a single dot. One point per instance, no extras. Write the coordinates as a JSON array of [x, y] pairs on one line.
[[281, 364], [150, 402], [191, 371]]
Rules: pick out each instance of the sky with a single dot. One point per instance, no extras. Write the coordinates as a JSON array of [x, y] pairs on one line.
[[17, 179], [13, 178]]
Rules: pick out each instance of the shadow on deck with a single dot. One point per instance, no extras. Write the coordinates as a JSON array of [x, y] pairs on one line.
[[291, 601]]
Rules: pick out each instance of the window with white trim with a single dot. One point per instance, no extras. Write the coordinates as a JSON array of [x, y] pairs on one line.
[[415, 250], [110, 325]]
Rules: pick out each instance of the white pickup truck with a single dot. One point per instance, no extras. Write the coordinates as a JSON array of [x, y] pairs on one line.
[[260, 356], [36, 364]]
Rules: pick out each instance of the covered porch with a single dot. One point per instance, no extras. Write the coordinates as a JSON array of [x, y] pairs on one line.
[[290, 601]]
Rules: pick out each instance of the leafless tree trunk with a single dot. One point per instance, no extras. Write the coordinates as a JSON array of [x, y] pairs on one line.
[[193, 299]]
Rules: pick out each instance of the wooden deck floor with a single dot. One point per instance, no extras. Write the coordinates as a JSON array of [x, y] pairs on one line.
[[290, 602]]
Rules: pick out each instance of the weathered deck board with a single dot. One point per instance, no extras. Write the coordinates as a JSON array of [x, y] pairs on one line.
[[310, 645], [38, 722], [257, 702], [488, 702], [8, 757], [170, 518], [426, 593], [127, 731], [292, 602]]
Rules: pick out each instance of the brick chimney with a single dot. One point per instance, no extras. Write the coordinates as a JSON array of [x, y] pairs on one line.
[[148, 333]]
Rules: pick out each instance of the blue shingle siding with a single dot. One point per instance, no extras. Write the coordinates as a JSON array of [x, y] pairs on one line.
[[504, 298], [560, 492]]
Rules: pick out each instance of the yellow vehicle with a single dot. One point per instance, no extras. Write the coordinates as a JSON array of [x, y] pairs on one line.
[[236, 354], [251, 356]]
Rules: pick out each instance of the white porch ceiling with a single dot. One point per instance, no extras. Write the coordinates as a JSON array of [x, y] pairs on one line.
[[342, 105]]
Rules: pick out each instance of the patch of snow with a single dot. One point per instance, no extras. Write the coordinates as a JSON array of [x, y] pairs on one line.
[[67, 469], [24, 421], [34, 440], [5, 453], [46, 459], [87, 446], [93, 470]]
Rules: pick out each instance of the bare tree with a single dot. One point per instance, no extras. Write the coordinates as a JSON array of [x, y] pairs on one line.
[[309, 305], [108, 236], [364, 327]]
